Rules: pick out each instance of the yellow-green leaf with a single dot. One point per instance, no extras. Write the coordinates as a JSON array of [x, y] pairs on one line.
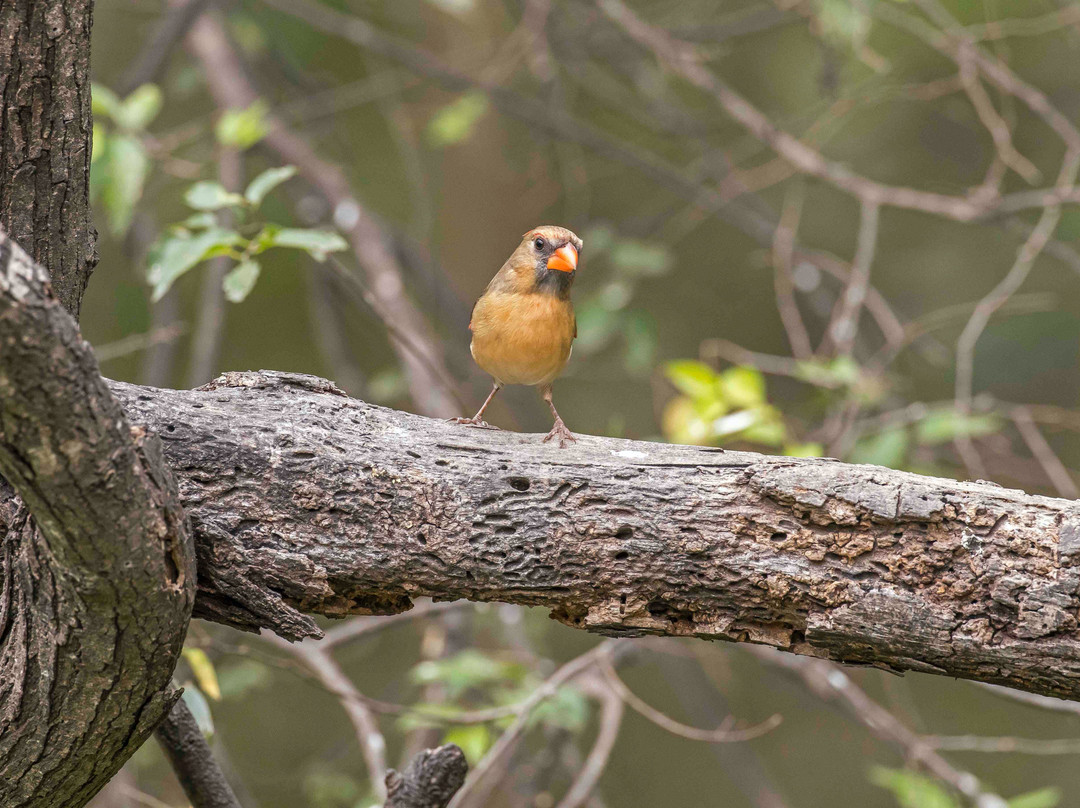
[[203, 671], [240, 280]]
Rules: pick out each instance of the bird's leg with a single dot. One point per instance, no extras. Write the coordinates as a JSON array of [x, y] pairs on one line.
[[559, 430], [478, 419]]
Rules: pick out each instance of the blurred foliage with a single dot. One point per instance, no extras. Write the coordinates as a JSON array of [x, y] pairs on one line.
[[914, 790], [120, 162]]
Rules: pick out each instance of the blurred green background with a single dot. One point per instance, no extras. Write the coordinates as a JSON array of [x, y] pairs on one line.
[[678, 316]]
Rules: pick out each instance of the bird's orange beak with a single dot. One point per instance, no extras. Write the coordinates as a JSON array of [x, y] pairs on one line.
[[564, 259]]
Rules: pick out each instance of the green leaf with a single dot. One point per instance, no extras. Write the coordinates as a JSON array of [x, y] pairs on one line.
[[568, 709], [317, 243], [843, 371], [886, 448], [140, 108], [743, 386], [466, 670], [240, 281], [103, 101], [695, 379], [1043, 798], [179, 251], [200, 709], [200, 221], [912, 790], [99, 143], [243, 128], [595, 324], [125, 173], [767, 429], [266, 182], [474, 741], [209, 195], [639, 258], [942, 426], [203, 671], [804, 449], [457, 120]]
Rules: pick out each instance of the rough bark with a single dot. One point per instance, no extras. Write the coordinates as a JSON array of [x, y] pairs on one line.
[[199, 774], [431, 779], [304, 500], [45, 133], [96, 588]]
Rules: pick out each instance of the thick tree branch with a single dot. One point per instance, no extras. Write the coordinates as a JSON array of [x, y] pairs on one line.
[[96, 589], [305, 500]]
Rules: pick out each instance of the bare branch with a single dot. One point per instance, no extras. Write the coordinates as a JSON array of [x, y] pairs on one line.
[[611, 714], [829, 682], [372, 744], [199, 774]]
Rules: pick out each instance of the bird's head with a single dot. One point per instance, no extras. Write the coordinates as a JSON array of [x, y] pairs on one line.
[[547, 259]]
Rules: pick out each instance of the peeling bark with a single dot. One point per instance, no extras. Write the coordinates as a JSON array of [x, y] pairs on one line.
[[96, 589], [304, 500], [45, 132]]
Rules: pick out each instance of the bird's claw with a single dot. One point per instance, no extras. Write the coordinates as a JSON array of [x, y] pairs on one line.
[[565, 436], [477, 422]]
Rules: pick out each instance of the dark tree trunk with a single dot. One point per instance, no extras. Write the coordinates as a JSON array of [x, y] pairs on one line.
[[96, 589], [45, 131]]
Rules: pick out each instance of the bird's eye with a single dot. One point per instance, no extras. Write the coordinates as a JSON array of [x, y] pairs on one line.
[[539, 244]]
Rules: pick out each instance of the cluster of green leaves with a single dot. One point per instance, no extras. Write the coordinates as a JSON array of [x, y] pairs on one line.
[[717, 407], [475, 678], [201, 236], [119, 163], [606, 316], [913, 790]]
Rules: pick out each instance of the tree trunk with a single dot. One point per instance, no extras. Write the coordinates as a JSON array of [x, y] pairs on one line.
[[304, 500], [45, 131], [96, 589]]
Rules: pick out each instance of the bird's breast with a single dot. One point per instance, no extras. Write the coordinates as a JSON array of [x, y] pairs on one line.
[[522, 338]]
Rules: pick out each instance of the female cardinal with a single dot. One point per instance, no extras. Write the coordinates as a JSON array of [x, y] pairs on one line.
[[523, 326]]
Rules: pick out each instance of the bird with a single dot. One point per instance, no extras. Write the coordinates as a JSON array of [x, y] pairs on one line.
[[523, 326]]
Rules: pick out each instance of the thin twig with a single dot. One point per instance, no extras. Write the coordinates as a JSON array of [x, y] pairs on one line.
[[1041, 450], [133, 343], [611, 715], [844, 326], [722, 734], [329, 673], [472, 793], [1004, 745], [826, 680], [783, 248]]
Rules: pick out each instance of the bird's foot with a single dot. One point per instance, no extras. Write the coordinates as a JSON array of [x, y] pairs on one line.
[[477, 422], [564, 435]]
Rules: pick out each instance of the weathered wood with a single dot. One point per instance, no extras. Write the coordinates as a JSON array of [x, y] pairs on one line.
[[96, 589], [304, 500]]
